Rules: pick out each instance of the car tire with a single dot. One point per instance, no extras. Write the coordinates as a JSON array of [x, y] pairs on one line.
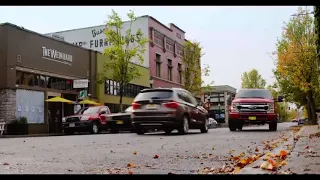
[[95, 128], [240, 126], [273, 126], [114, 131], [68, 132], [168, 130], [140, 131], [232, 125], [184, 126], [205, 127]]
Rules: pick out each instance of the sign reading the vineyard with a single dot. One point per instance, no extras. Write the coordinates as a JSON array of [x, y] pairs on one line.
[[57, 56]]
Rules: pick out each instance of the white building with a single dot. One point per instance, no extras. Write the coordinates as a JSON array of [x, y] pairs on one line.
[[94, 37]]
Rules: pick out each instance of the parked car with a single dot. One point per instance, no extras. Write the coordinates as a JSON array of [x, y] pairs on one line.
[[88, 119], [120, 121], [301, 121], [168, 109], [212, 123], [253, 106]]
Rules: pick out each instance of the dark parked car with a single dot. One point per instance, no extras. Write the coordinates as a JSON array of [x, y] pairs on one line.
[[168, 109], [120, 121], [301, 121]]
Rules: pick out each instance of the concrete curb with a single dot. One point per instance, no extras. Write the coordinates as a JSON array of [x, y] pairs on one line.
[[31, 135], [250, 168]]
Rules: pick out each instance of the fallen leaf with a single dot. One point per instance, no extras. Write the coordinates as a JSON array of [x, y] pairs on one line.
[[271, 167], [130, 171], [283, 153], [283, 163], [156, 156], [5, 164], [242, 154], [256, 150], [264, 165], [134, 152], [130, 165], [236, 170], [231, 151], [212, 148], [236, 158], [272, 162]]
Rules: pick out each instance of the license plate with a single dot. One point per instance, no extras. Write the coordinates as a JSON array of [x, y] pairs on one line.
[[151, 106], [72, 125], [119, 122], [252, 118]]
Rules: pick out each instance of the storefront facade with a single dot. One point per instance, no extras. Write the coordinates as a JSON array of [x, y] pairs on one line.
[[33, 68], [108, 92]]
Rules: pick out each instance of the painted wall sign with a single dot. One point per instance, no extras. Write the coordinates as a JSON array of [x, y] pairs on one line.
[[94, 38], [57, 56], [80, 83]]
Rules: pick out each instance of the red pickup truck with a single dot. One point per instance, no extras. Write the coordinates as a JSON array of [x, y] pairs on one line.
[[92, 119], [253, 106]]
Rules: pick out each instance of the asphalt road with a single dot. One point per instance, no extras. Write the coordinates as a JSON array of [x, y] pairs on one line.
[[113, 153]]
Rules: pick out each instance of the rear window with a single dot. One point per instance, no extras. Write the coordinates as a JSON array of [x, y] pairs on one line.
[[254, 93], [154, 94]]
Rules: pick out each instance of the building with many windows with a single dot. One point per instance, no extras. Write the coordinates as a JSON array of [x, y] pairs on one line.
[[108, 92], [163, 55], [33, 68]]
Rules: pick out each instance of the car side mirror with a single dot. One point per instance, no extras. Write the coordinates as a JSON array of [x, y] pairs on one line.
[[103, 112]]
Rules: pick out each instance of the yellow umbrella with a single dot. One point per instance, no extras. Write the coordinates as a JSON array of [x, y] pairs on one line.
[[58, 99], [86, 101]]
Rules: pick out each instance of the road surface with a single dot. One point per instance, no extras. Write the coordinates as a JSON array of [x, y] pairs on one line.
[[124, 153]]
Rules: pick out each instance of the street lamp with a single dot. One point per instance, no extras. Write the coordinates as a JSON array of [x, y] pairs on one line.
[[151, 82]]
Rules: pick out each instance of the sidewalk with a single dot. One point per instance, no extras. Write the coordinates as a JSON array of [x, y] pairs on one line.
[[305, 157], [30, 135]]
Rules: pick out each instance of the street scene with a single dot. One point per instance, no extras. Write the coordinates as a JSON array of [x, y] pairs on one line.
[[154, 153], [134, 93]]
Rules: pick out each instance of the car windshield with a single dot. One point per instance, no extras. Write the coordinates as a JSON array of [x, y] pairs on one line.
[[254, 93], [88, 110], [154, 94]]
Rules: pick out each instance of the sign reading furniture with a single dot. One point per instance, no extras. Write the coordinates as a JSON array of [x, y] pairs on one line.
[[57, 56]]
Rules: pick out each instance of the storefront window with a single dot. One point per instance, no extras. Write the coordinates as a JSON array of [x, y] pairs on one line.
[[129, 90], [36, 80], [48, 80], [19, 77], [42, 81]]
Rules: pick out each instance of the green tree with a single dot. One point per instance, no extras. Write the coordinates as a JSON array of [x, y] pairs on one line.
[[252, 80], [317, 30], [297, 67], [282, 107], [193, 72], [125, 46]]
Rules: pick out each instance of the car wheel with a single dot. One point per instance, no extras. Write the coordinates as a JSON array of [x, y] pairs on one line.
[[140, 131], [95, 128], [168, 130], [232, 125], [205, 127], [240, 126], [68, 132], [273, 126], [184, 125], [114, 131]]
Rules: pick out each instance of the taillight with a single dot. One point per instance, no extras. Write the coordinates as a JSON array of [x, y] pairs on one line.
[[136, 106], [173, 105]]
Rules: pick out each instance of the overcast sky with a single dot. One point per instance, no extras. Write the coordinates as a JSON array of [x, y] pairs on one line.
[[234, 39]]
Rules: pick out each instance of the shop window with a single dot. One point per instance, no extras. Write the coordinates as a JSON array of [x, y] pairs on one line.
[[169, 69], [42, 81], [69, 84], [36, 80], [19, 77], [60, 84]]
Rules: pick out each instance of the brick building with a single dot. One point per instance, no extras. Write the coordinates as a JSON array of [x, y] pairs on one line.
[[163, 55]]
